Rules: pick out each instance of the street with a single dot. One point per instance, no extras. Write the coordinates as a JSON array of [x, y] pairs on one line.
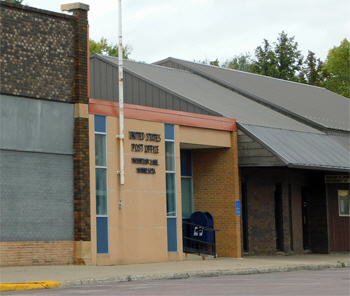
[[307, 282]]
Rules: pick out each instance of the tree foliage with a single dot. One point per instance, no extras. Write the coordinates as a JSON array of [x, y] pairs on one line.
[[102, 47], [337, 68], [312, 71], [283, 60], [265, 62], [14, 1], [242, 62]]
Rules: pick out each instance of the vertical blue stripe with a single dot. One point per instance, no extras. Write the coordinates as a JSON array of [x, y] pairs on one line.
[[169, 131], [186, 162], [172, 234], [100, 123], [102, 235]]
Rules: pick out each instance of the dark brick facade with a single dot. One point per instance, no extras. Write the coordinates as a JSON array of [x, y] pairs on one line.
[[44, 56], [81, 59], [82, 229], [37, 53], [260, 184]]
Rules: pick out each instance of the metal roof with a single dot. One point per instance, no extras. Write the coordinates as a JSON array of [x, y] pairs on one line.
[[194, 88], [303, 150], [313, 104]]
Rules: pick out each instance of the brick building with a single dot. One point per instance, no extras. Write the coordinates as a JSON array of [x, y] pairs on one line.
[[269, 159], [293, 157], [44, 160]]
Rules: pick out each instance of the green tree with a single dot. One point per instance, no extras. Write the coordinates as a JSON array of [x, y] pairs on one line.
[[281, 61], [242, 62], [215, 63], [337, 66], [288, 57], [102, 47], [265, 62], [14, 1], [312, 70]]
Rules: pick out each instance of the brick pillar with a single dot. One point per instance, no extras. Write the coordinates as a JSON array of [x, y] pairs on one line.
[[216, 190], [82, 218]]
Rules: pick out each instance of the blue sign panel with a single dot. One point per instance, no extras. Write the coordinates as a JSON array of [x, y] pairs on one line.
[[238, 208]]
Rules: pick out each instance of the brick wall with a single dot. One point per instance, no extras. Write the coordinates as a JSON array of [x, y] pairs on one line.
[[37, 53], [44, 56], [216, 189], [82, 229], [36, 253], [261, 213]]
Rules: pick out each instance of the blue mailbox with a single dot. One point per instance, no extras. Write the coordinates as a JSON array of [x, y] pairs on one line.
[[206, 220]]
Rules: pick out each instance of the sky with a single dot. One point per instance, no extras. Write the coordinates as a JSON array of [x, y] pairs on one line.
[[197, 30]]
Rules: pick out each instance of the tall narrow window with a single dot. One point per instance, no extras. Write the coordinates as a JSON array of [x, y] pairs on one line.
[[170, 172], [186, 183], [101, 184]]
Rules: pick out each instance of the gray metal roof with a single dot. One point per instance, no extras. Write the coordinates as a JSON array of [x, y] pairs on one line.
[[311, 103], [211, 95], [303, 150]]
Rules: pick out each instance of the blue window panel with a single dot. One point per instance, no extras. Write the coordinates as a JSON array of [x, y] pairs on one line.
[[102, 235], [169, 132], [186, 163], [172, 235], [100, 123]]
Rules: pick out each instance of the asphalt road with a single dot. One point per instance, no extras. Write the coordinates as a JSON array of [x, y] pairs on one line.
[[302, 283]]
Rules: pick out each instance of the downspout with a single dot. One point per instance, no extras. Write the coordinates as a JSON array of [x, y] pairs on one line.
[[121, 103]]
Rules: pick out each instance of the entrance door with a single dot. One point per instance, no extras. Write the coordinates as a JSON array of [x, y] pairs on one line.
[[305, 216]]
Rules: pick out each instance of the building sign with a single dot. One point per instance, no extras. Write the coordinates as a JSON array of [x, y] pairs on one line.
[[337, 179], [151, 149]]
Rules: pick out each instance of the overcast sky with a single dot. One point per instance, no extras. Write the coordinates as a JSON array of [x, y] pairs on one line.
[[210, 29]]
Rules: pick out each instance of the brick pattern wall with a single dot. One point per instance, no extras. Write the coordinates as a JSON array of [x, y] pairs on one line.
[[216, 189], [82, 228], [37, 53], [80, 92], [36, 253], [261, 212], [44, 56]]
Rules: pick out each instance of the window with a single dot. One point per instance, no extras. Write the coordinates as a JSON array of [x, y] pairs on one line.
[[343, 202], [170, 170], [170, 175], [101, 184], [186, 183]]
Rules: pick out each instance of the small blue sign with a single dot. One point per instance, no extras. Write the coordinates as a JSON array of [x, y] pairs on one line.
[[238, 208]]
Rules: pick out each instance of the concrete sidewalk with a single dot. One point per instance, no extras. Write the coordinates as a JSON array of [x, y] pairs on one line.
[[193, 266]]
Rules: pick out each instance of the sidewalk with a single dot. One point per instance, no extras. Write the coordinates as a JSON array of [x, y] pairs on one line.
[[193, 266]]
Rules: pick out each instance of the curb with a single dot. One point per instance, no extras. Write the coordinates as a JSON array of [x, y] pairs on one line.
[[209, 273], [179, 275], [29, 286]]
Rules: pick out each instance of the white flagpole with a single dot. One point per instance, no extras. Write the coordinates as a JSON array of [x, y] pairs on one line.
[[121, 101]]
